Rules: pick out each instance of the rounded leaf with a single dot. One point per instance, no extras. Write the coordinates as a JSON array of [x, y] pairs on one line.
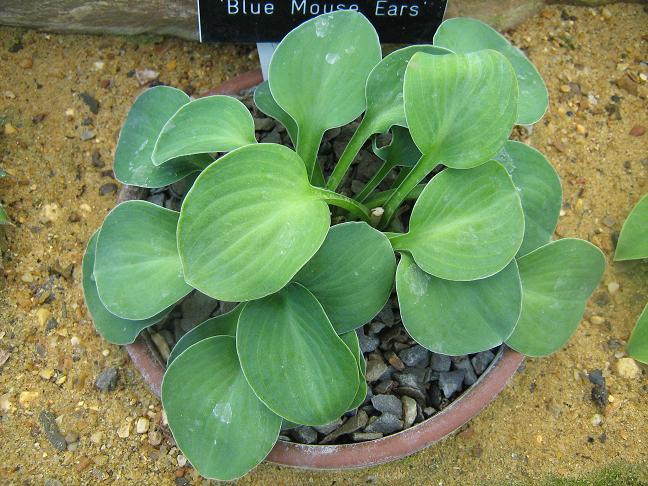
[[266, 103], [294, 360], [223, 325], [351, 275], [217, 421], [352, 342], [249, 223], [463, 35], [557, 280], [457, 318], [133, 164], [137, 267], [442, 114], [112, 328], [210, 124], [319, 70], [401, 151], [466, 224], [538, 184], [638, 343], [633, 240]]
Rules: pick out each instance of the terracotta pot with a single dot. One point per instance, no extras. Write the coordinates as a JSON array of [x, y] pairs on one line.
[[363, 454]]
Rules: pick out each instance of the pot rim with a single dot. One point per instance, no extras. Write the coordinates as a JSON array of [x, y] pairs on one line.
[[361, 454]]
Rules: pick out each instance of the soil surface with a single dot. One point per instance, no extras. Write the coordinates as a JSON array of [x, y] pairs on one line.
[[62, 100]]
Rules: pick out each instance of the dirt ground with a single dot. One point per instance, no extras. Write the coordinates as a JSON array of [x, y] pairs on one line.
[[545, 424]]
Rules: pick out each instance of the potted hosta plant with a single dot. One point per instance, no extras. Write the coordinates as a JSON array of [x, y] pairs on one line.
[[633, 245], [472, 263]]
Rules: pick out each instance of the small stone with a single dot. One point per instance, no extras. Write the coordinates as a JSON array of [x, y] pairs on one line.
[[71, 437], [580, 129], [182, 460], [107, 189], [353, 424], [46, 373], [51, 430], [171, 65], [481, 361], [87, 135], [145, 76], [597, 420], [123, 432], [92, 103], [96, 437], [597, 320], [565, 88], [376, 367], [627, 368], [304, 435], [264, 124], [142, 425], [27, 397], [368, 344], [5, 404], [440, 362], [96, 160], [388, 404], [52, 482], [161, 345], [416, 355], [365, 436], [613, 287], [387, 423], [155, 437], [412, 377], [409, 411], [463, 363], [386, 315], [328, 428], [9, 129], [596, 377], [43, 315], [394, 360], [637, 131], [27, 63], [451, 382], [384, 387], [107, 380]]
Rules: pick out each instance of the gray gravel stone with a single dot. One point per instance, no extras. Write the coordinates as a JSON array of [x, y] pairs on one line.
[[107, 380], [388, 404], [481, 361], [416, 355], [451, 382], [463, 363], [387, 423], [264, 124], [412, 377], [304, 434], [365, 436], [51, 430], [352, 425], [368, 344], [328, 428], [376, 367], [440, 362], [409, 410]]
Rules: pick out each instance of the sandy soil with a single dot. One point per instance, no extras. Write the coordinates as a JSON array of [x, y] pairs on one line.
[[542, 425]]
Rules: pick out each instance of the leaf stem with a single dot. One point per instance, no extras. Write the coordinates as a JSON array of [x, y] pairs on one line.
[[422, 168], [361, 135], [308, 144], [379, 198], [354, 207], [374, 181]]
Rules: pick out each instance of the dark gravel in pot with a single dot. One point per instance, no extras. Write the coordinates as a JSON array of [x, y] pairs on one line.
[[407, 383]]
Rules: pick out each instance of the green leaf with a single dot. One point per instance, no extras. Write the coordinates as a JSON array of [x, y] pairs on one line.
[[351, 275], [466, 224], [294, 360], [223, 325], [638, 344], [401, 151], [137, 267], [464, 35], [445, 121], [457, 318], [352, 342], [633, 240], [147, 116], [249, 223], [266, 103], [384, 90], [538, 184], [206, 125], [557, 280], [112, 328], [325, 88], [216, 419]]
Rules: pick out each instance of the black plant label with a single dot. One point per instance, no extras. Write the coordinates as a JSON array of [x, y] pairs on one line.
[[397, 21]]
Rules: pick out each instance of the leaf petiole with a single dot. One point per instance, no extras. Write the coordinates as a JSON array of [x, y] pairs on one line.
[[357, 209]]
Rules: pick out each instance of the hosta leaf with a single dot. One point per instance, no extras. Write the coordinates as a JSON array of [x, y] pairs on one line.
[[464, 35], [384, 90], [557, 280], [326, 87], [211, 124], [133, 164], [633, 240], [540, 192], [466, 224], [401, 151], [457, 318], [352, 342], [112, 328], [223, 325], [216, 419], [294, 360], [351, 275], [249, 223], [266, 103], [638, 344], [137, 267], [445, 121]]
